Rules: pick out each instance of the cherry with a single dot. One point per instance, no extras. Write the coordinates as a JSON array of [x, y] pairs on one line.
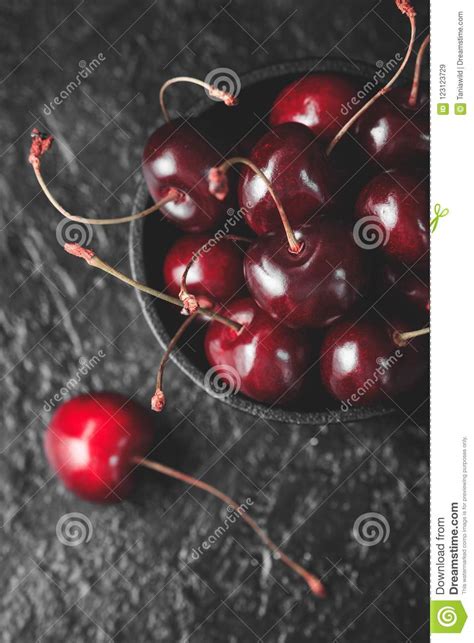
[[368, 107], [177, 157], [95, 443], [313, 287], [397, 202], [295, 164], [406, 288], [91, 442], [367, 360], [217, 272], [395, 133], [315, 101], [264, 360], [396, 130]]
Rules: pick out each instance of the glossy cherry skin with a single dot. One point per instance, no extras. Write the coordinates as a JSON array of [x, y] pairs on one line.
[[217, 272], [394, 133], [315, 287], [295, 164], [266, 361], [361, 364], [317, 101], [176, 156], [90, 441], [397, 203], [406, 288]]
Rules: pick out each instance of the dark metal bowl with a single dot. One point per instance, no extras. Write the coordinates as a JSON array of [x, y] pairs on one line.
[[151, 237]]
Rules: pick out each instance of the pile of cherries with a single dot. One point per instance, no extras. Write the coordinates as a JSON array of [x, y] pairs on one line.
[[301, 285], [316, 277], [304, 283]]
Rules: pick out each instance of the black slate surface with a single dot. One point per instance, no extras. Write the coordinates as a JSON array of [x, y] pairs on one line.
[[136, 579]]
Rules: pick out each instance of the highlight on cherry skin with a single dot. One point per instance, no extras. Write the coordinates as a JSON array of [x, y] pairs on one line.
[[270, 360], [314, 287], [176, 156], [294, 162], [364, 349], [396, 131], [394, 134], [96, 444], [315, 101], [91, 442], [398, 201]]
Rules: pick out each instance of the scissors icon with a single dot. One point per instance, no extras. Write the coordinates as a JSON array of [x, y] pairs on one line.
[[439, 214]]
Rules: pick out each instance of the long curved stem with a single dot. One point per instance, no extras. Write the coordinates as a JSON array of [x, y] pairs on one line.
[[314, 583], [214, 92], [90, 257], [184, 293], [158, 400], [218, 186], [402, 339], [415, 88], [35, 160], [408, 10]]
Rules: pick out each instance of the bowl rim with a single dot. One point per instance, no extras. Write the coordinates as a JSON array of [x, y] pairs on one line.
[[137, 264]]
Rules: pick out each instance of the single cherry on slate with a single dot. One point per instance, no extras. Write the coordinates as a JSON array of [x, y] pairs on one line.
[[316, 100], [177, 157], [295, 164], [96, 442], [398, 203], [91, 442], [217, 272], [370, 360], [264, 360], [314, 286]]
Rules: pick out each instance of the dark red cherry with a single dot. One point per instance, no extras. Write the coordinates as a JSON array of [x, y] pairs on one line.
[[405, 287], [296, 166], [394, 133], [216, 273], [176, 156], [397, 204], [362, 362], [318, 101], [90, 443], [265, 360], [312, 288]]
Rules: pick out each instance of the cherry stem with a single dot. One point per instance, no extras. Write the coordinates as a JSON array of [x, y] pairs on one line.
[[213, 92], [415, 88], [158, 400], [35, 160], [189, 300], [402, 339], [405, 7], [314, 583], [91, 258], [218, 186]]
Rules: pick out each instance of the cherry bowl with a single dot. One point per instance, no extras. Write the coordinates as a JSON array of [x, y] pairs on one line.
[[150, 238]]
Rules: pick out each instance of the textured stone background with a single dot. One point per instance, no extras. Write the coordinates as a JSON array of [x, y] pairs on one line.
[[135, 579]]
